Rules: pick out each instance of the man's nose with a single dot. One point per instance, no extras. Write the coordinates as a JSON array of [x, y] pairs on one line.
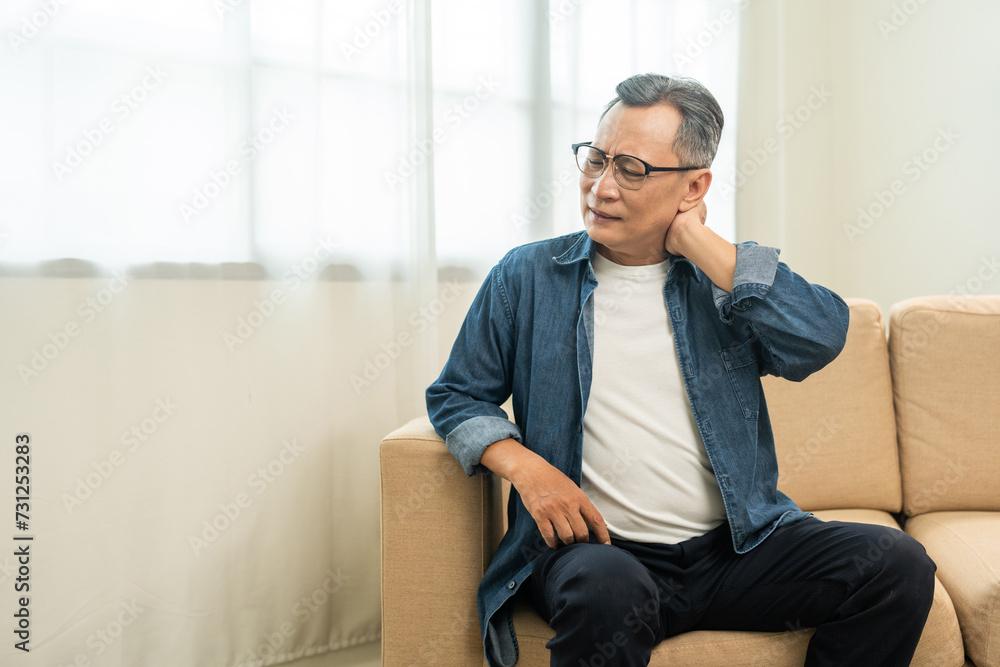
[[605, 186]]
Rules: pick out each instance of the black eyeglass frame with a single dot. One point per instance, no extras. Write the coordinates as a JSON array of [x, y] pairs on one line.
[[611, 159]]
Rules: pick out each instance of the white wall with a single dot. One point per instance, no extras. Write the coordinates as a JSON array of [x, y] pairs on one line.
[[901, 75]]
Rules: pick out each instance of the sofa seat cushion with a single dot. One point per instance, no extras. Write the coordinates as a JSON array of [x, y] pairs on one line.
[[878, 517], [940, 645], [941, 641], [966, 548], [705, 648]]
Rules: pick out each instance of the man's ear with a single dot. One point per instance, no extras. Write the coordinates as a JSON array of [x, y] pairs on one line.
[[697, 189]]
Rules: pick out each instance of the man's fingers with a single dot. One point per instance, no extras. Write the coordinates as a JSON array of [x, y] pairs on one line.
[[565, 515], [560, 530], [566, 533], [580, 532], [548, 534], [596, 522]]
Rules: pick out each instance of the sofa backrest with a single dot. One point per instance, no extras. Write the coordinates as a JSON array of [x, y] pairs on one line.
[[945, 354], [835, 432]]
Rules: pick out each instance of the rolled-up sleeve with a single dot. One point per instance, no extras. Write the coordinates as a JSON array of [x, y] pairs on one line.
[[471, 438], [800, 326], [464, 402], [754, 275]]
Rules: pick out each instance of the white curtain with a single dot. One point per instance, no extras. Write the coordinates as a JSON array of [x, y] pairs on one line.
[[236, 237]]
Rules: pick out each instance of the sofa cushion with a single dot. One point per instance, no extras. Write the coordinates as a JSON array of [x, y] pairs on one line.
[[940, 645], [941, 641], [946, 382], [966, 548], [835, 432], [778, 649]]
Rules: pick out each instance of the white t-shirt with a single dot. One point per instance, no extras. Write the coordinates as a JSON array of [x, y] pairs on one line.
[[644, 464]]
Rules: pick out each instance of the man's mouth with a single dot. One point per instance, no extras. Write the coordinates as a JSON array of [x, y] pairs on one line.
[[602, 217]]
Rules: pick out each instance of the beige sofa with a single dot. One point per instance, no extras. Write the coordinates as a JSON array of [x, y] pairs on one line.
[[836, 435]]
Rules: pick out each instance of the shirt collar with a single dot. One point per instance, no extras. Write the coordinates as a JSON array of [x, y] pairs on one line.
[[584, 248], [579, 251]]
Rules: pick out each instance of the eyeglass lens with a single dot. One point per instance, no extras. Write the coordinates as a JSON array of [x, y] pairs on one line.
[[629, 172]]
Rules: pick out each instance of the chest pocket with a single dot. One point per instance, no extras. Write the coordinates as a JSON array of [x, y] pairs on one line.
[[741, 366]]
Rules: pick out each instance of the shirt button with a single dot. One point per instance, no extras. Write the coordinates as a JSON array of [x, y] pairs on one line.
[[511, 585], [579, 429]]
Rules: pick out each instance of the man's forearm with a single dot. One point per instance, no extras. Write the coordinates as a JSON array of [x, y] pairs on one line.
[[711, 253], [800, 326], [507, 458]]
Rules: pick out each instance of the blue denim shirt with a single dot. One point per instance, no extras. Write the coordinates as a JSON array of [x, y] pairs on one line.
[[529, 334]]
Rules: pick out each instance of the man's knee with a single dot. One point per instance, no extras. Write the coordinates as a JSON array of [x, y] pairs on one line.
[[606, 580], [899, 561], [606, 573], [915, 571]]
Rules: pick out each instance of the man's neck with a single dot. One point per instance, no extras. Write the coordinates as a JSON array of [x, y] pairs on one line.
[[630, 260]]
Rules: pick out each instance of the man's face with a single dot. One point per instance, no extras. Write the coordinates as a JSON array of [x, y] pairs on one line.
[[630, 226]]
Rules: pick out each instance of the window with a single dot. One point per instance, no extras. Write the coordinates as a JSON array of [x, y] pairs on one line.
[[245, 130]]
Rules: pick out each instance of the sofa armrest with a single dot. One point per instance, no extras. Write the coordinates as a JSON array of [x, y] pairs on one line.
[[439, 530]]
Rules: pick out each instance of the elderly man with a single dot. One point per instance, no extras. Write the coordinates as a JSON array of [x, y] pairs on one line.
[[644, 498]]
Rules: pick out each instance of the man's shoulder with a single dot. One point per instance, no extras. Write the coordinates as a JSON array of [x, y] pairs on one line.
[[541, 253]]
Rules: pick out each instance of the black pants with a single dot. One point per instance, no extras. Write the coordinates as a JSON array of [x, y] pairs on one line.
[[866, 589]]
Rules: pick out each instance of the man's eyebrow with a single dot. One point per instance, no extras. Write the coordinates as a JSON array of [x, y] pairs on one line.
[[608, 153], [631, 155]]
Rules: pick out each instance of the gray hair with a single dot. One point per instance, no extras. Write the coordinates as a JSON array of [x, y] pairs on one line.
[[701, 116]]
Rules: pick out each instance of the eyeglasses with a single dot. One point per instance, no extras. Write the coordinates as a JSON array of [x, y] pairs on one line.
[[629, 172]]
